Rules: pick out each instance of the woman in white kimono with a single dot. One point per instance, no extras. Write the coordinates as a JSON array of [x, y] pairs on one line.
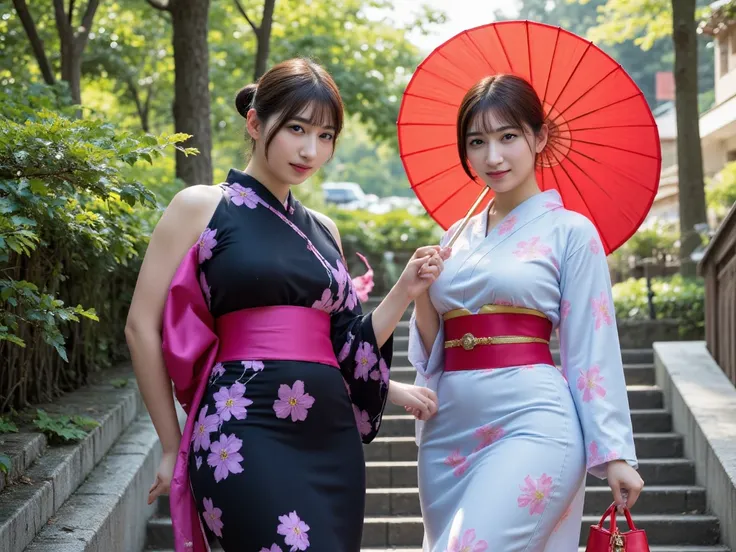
[[502, 464]]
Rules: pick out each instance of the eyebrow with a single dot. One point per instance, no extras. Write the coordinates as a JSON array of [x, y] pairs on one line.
[[308, 122], [500, 129]]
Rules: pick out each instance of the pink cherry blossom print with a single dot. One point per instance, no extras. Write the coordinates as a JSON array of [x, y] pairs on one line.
[[458, 462], [594, 246], [255, 365], [295, 531], [293, 401], [467, 543], [507, 225], [218, 370], [535, 493], [230, 402], [198, 461], [594, 456], [365, 359], [224, 456], [206, 244], [601, 311], [362, 419], [206, 291], [363, 285], [564, 309], [552, 205], [381, 373], [212, 517], [531, 250], [488, 434], [274, 547], [589, 382], [242, 196], [203, 427], [345, 351]]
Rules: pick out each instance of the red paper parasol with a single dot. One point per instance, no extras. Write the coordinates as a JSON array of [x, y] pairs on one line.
[[603, 154]]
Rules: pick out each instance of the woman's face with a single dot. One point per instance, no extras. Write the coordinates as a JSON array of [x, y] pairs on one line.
[[502, 154], [298, 149]]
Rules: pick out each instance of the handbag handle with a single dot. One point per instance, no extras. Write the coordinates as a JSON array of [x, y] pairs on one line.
[[611, 511]]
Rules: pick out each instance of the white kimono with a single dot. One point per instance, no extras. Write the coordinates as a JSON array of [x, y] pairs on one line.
[[502, 465]]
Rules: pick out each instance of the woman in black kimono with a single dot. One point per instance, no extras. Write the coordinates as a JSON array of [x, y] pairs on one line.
[[275, 460]]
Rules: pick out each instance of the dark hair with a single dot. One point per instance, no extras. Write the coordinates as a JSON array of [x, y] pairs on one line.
[[289, 88], [509, 98]]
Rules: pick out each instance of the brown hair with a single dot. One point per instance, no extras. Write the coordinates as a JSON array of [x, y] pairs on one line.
[[289, 88], [509, 98]]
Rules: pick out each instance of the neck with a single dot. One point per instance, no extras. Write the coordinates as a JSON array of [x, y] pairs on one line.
[[506, 202], [279, 189]]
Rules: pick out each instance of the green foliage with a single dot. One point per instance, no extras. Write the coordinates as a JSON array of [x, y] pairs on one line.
[[5, 463], [720, 191], [69, 235], [63, 429], [675, 298], [7, 426], [120, 383]]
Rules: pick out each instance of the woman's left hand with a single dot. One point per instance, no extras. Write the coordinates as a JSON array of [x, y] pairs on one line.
[[420, 402], [625, 483]]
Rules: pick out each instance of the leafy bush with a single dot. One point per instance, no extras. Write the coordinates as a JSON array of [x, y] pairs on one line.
[[675, 298], [720, 191], [70, 242]]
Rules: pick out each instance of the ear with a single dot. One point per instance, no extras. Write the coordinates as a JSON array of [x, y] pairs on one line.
[[253, 124], [542, 137]]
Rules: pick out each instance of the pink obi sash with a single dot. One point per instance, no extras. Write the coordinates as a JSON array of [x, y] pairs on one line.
[[192, 342]]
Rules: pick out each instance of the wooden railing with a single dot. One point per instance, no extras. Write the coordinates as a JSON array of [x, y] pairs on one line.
[[718, 267]]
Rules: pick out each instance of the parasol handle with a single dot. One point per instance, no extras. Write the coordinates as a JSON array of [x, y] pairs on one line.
[[462, 226]]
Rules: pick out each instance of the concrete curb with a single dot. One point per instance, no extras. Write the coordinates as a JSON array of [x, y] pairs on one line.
[[109, 512], [25, 508], [703, 406]]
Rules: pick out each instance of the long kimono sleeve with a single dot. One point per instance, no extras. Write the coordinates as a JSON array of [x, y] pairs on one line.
[[590, 353], [364, 366]]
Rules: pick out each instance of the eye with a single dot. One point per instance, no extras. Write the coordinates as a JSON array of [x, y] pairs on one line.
[[476, 142], [327, 136], [509, 136], [296, 128]]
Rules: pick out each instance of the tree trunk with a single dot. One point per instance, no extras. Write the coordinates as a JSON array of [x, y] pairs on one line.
[[191, 88], [689, 154], [36, 43], [263, 38]]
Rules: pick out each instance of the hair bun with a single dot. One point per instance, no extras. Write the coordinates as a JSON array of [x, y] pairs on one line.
[[244, 98]]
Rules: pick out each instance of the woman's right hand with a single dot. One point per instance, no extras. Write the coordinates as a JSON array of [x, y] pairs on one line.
[[424, 267], [165, 472], [420, 402]]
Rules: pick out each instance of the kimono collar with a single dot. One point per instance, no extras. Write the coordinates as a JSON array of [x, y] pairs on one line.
[[234, 176], [523, 213]]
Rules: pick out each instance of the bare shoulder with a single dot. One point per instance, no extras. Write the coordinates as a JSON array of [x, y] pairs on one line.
[[329, 224], [191, 209]]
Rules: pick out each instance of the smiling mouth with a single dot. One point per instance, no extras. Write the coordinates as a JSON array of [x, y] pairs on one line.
[[496, 173], [300, 167]]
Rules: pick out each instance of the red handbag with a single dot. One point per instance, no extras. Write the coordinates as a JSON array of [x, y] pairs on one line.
[[601, 539]]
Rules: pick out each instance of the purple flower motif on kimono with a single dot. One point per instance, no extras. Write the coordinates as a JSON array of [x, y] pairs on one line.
[[594, 246], [295, 531], [564, 309], [231, 402], [293, 401], [342, 278], [589, 382], [202, 429], [467, 544], [365, 359], [325, 302], [507, 225], [198, 461], [458, 462], [601, 311], [274, 547], [206, 291], [362, 419], [535, 493], [381, 373], [255, 365], [218, 370], [206, 243], [345, 351], [224, 456], [212, 517], [242, 196]]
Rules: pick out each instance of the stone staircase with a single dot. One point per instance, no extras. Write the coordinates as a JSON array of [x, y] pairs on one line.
[[672, 508]]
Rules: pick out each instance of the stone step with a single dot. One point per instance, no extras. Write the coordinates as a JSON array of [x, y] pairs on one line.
[[644, 421], [635, 374], [654, 471], [661, 530], [404, 501], [648, 445]]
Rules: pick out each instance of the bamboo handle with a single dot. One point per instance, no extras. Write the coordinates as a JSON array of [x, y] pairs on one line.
[[471, 212]]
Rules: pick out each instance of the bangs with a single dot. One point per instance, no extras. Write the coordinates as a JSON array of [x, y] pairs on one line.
[[489, 110], [317, 104]]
